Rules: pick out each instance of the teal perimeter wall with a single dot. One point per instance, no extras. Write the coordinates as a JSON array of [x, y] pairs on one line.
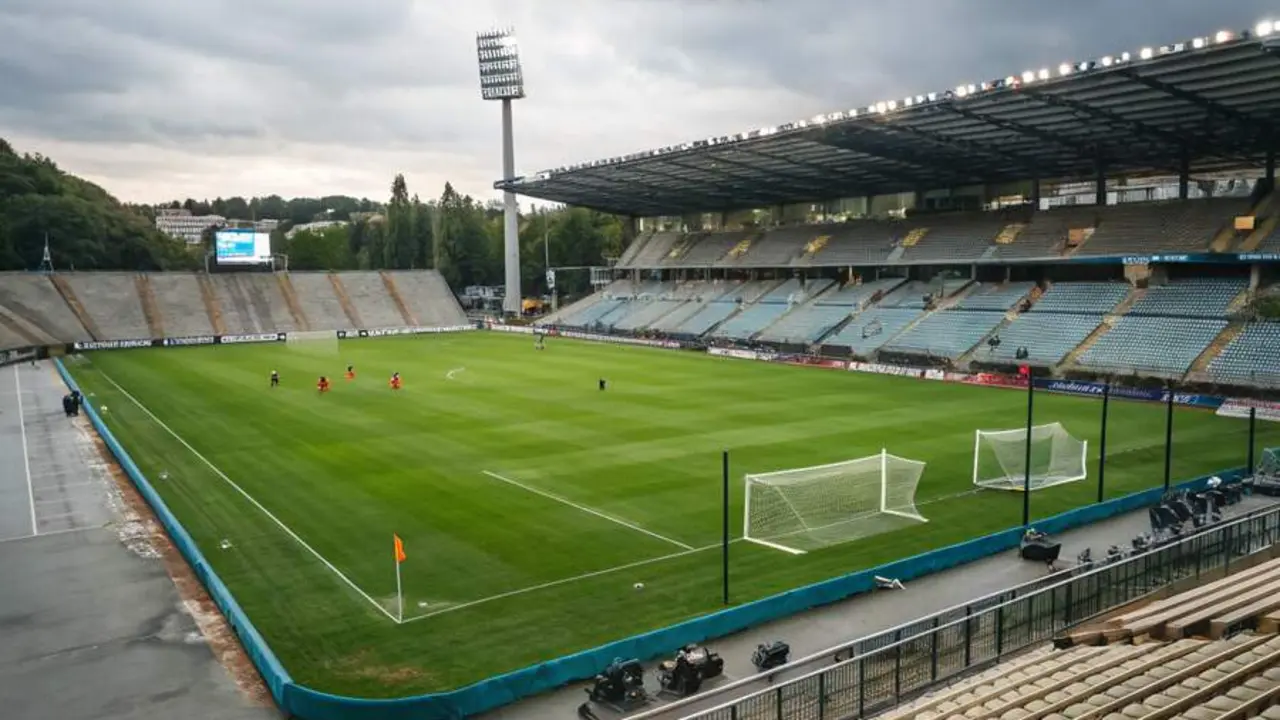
[[494, 692]]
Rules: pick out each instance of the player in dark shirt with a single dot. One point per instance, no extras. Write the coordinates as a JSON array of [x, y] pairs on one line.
[[275, 378], [602, 383]]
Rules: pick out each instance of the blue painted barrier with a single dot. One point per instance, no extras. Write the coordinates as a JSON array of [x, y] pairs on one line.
[[277, 679], [494, 692]]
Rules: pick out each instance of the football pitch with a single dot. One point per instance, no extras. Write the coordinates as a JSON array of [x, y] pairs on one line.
[[530, 503]]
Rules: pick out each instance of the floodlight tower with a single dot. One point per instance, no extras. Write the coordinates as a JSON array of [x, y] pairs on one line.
[[502, 79]]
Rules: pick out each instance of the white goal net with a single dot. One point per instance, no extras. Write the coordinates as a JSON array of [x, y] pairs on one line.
[[1269, 466], [814, 507], [1000, 458], [318, 342]]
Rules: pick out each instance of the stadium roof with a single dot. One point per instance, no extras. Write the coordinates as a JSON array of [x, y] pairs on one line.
[[1212, 101]]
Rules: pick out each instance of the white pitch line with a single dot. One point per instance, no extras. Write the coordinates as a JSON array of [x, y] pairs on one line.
[[51, 533], [589, 511], [26, 456], [250, 498], [565, 581]]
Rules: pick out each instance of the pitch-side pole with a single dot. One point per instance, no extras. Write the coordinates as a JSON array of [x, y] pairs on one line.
[[1253, 426], [1168, 435], [1026, 474], [724, 539], [1102, 451]]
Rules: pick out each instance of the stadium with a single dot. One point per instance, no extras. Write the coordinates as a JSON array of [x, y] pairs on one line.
[[850, 376]]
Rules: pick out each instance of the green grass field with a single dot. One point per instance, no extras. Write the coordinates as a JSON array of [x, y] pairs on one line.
[[499, 575]]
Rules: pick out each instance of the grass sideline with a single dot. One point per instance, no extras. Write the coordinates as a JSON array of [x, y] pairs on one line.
[[499, 575]]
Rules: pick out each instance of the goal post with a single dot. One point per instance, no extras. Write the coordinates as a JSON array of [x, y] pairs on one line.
[[809, 508], [320, 342], [1000, 458]]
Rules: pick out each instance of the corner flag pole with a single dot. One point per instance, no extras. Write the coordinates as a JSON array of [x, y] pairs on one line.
[[400, 557]]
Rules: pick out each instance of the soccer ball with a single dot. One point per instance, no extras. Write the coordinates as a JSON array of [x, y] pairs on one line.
[[638, 586]]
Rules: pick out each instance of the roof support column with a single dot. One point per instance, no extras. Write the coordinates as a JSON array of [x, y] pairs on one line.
[[1100, 182], [1271, 165], [1035, 193], [1184, 172], [629, 225]]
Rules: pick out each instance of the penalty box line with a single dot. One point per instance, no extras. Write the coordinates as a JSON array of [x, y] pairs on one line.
[[566, 581], [250, 498], [589, 511]]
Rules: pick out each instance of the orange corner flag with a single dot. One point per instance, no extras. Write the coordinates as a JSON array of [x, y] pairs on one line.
[[400, 556]]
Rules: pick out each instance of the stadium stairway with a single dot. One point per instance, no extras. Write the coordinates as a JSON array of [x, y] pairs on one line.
[[394, 292], [1108, 321], [211, 307], [1215, 348], [1260, 233], [1268, 209], [69, 296], [150, 308], [291, 300], [345, 300]]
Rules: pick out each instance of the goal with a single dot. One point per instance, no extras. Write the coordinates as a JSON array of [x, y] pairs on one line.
[[814, 507], [1000, 458], [1269, 466], [318, 342]]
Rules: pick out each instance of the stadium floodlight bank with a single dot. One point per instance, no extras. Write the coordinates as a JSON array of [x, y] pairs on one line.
[[814, 507], [1000, 458], [319, 342]]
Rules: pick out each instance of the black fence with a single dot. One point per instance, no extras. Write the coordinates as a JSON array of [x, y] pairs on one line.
[[885, 670]]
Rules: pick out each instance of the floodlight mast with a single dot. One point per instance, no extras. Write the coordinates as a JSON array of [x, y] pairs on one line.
[[501, 78]]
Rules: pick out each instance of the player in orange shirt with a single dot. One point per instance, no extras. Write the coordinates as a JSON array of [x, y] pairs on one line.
[[395, 381], [351, 372], [322, 384]]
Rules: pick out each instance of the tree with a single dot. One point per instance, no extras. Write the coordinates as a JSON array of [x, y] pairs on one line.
[[86, 227], [322, 249], [399, 250]]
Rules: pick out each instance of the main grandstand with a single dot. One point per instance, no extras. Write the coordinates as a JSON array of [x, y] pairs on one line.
[[1112, 217]]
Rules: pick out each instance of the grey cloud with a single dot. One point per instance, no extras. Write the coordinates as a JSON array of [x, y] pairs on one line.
[[332, 91]]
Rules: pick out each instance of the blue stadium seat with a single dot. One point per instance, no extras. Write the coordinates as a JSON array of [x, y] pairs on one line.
[[807, 324], [1048, 337], [751, 320], [1190, 298], [948, 333], [872, 329], [1252, 357], [1082, 297], [1158, 345]]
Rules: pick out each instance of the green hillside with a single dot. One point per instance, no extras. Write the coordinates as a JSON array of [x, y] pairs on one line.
[[87, 228]]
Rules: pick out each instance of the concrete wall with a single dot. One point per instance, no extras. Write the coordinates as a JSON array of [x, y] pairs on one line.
[[182, 310], [33, 297]]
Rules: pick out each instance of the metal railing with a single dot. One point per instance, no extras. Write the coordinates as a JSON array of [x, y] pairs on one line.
[[887, 669]]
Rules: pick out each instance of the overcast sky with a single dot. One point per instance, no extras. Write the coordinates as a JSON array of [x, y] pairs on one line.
[[156, 99]]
